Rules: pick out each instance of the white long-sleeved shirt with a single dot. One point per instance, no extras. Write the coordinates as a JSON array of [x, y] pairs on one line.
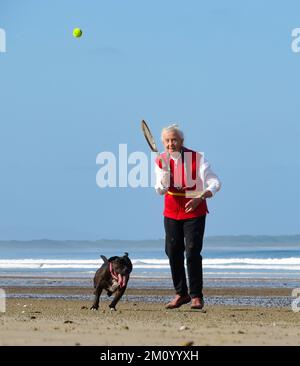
[[209, 178]]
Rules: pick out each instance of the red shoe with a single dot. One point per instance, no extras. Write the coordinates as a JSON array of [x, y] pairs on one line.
[[178, 301], [197, 303]]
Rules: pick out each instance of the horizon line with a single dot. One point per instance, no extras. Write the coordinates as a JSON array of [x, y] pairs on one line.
[[156, 239]]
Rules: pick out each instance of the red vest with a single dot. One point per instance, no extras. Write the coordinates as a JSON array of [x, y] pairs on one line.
[[186, 173]]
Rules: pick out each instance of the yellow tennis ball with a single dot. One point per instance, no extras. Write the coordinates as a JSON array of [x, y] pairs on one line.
[[77, 32]]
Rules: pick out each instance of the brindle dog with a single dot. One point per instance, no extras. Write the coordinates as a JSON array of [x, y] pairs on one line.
[[112, 276]]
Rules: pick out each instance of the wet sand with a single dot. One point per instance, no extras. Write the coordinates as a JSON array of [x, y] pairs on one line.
[[216, 291], [29, 321]]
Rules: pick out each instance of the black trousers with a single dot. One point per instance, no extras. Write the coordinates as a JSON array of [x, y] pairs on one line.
[[185, 235]]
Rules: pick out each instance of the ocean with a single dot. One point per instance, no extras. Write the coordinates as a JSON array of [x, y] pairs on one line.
[[227, 261]]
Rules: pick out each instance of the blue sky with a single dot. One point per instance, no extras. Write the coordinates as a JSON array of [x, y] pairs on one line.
[[224, 71]]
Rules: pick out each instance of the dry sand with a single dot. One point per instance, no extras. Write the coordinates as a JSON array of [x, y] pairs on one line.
[[70, 322]]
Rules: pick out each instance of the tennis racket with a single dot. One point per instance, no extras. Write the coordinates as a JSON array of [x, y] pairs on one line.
[[151, 142], [149, 137]]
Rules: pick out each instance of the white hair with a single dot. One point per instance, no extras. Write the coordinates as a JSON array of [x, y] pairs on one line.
[[174, 128]]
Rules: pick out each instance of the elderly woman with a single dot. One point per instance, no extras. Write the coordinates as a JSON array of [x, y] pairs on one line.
[[186, 180]]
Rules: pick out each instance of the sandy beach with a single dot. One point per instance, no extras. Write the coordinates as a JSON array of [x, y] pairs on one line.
[[50, 321]]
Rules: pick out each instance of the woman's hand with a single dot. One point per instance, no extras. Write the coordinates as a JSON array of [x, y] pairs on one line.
[[192, 204]]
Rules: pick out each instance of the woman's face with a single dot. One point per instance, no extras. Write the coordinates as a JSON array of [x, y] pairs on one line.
[[172, 142]]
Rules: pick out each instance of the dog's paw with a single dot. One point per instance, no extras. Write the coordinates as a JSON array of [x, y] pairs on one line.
[[93, 307], [112, 308]]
